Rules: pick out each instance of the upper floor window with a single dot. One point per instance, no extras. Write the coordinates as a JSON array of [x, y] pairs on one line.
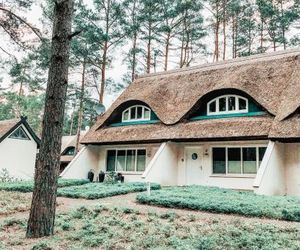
[[136, 113], [19, 134], [227, 104], [69, 151]]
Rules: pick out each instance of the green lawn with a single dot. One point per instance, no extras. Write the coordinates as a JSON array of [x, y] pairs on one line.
[[125, 228], [27, 186], [217, 200], [100, 190]]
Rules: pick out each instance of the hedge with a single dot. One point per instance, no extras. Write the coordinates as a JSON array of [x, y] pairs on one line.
[[218, 200], [100, 190], [27, 186]]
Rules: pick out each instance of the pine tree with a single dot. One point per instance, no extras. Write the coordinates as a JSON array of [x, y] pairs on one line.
[[42, 212]]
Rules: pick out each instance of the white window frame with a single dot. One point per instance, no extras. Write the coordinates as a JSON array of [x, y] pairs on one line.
[[19, 138], [226, 159], [227, 111], [135, 164], [136, 119]]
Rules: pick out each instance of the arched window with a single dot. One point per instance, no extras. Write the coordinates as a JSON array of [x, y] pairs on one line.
[[136, 113], [69, 151], [227, 104]]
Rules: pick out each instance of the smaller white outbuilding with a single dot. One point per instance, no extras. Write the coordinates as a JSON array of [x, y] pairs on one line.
[[18, 148]]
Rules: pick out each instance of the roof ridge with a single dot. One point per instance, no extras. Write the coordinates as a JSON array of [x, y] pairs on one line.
[[229, 62]]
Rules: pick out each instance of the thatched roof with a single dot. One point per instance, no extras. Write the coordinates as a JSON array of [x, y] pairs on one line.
[[272, 80], [8, 126]]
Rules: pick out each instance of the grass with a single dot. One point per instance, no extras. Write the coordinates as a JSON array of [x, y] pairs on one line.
[[100, 190], [12, 202], [122, 228], [218, 200], [27, 186]]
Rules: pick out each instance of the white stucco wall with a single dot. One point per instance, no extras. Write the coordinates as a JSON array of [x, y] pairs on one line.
[[164, 166], [271, 178], [242, 182], [84, 161], [292, 168], [94, 157], [18, 157]]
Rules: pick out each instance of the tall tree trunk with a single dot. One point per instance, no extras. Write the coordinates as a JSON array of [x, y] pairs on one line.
[[103, 72], [217, 26], [224, 28], [262, 35], [72, 119], [148, 60], [282, 25], [233, 37], [80, 111], [104, 55], [134, 45], [42, 213], [167, 51]]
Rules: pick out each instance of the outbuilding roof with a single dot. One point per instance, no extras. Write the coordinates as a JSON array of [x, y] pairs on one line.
[[272, 80], [8, 126]]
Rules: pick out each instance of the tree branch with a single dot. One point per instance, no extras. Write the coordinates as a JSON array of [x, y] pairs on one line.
[[35, 30]]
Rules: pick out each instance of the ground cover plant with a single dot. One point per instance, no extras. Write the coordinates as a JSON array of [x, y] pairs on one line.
[[101, 190], [27, 186], [12, 202], [218, 200], [126, 228]]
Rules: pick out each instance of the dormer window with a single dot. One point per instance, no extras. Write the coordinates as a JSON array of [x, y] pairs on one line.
[[227, 104], [136, 113]]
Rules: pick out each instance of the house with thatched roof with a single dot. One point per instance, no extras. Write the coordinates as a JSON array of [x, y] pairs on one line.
[[18, 148], [233, 124]]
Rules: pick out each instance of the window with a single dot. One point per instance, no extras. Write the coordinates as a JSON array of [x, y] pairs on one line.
[[19, 133], [237, 160], [136, 113], [69, 151], [227, 104], [126, 160]]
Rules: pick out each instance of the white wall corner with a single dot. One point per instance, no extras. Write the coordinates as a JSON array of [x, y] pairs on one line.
[[163, 167], [270, 178]]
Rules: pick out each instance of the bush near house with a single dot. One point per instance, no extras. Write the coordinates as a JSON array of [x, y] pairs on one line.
[[125, 228], [100, 190], [27, 186], [218, 200]]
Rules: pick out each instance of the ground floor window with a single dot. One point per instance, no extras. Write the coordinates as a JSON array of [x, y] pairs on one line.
[[237, 160], [126, 160]]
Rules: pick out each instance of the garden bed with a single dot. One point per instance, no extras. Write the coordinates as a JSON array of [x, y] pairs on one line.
[[218, 200], [27, 186], [100, 190], [125, 228]]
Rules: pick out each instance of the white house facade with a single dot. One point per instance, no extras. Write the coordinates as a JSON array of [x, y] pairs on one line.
[[233, 124], [18, 148]]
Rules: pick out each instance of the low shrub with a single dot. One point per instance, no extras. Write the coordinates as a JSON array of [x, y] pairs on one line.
[[27, 186], [100, 190], [218, 200]]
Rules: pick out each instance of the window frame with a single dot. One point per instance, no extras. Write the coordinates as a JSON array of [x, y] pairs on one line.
[[67, 149], [256, 146], [135, 163], [19, 138], [136, 119], [227, 111]]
